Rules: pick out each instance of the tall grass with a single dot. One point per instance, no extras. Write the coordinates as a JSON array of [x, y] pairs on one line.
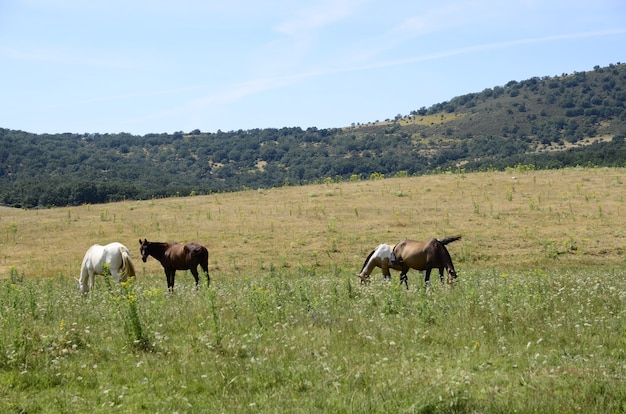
[[534, 324], [291, 340]]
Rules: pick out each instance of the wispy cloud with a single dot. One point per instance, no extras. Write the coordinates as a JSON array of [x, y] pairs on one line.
[[242, 90], [315, 17], [236, 92], [488, 46]]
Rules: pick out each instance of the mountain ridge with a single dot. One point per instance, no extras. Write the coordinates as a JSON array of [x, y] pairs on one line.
[[548, 122]]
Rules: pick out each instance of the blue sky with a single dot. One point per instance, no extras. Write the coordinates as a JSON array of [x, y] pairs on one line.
[[154, 66]]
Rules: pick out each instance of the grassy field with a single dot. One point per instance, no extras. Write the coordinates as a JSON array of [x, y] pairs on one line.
[[535, 323]]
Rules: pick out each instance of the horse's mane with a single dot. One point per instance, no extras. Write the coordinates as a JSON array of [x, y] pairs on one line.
[[84, 262], [82, 279], [160, 246], [367, 259]]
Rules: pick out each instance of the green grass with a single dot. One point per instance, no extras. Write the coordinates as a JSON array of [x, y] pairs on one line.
[[305, 339], [536, 322]]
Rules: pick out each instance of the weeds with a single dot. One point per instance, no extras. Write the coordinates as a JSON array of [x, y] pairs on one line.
[[493, 342], [215, 319], [135, 331], [286, 327], [126, 299]]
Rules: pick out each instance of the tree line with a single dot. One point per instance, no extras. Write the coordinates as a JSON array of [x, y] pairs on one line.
[[496, 128]]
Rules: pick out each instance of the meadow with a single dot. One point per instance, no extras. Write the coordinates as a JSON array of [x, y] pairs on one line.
[[534, 323]]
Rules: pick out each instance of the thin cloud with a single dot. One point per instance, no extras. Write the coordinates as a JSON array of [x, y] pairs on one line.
[[484, 47], [321, 15], [242, 90], [245, 89]]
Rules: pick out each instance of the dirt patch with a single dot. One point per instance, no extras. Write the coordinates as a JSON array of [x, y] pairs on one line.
[[554, 147]]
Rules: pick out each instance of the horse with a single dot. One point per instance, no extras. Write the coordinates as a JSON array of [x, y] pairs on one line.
[[382, 256], [115, 255], [424, 256], [175, 256]]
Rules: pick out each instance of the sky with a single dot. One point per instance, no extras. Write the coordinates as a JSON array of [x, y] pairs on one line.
[[157, 66]]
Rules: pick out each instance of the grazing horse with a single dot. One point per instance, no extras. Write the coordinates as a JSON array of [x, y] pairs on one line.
[[115, 255], [424, 256], [175, 256], [382, 256]]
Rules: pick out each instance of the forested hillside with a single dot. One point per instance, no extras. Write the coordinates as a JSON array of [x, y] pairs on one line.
[[547, 122]]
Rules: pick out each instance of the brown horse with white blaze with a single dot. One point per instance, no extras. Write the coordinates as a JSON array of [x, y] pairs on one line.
[[424, 256], [175, 256]]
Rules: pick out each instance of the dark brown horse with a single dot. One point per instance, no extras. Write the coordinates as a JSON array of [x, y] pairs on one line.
[[175, 256], [424, 256]]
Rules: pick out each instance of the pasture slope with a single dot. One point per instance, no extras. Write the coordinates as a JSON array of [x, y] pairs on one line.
[[535, 323]]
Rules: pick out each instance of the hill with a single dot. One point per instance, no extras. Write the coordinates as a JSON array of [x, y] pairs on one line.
[[549, 122]]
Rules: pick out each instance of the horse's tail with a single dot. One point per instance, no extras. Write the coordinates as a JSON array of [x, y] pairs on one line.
[[204, 257], [446, 255], [449, 240], [128, 269]]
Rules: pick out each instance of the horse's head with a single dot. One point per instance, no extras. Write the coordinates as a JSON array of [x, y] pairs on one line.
[[82, 287], [451, 275], [365, 278], [144, 249]]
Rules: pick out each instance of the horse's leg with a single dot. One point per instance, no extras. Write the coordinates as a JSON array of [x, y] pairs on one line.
[[441, 274], [169, 275], [205, 267], [427, 279], [194, 272], [92, 279], [115, 276], [403, 276], [385, 269]]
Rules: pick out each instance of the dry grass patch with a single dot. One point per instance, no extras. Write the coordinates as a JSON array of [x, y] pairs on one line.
[[534, 324], [509, 220]]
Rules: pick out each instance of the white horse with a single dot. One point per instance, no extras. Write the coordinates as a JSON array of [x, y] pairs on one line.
[[382, 256], [115, 254]]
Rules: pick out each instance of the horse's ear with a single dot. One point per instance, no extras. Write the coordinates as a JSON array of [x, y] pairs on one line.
[[140, 241]]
